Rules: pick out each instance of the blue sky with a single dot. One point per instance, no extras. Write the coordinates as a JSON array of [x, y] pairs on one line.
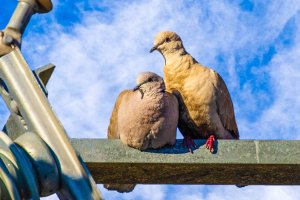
[[100, 46]]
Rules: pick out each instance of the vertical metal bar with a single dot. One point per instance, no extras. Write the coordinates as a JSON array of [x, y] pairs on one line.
[[21, 16]]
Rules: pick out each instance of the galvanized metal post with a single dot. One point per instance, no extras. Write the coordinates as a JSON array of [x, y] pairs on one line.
[[24, 96]]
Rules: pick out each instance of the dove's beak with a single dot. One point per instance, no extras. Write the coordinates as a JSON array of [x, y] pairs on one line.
[[153, 49], [137, 87]]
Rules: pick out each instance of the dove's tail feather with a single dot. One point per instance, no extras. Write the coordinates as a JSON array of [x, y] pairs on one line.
[[120, 187], [240, 186]]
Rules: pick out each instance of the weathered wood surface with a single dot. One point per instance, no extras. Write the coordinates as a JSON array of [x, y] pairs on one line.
[[249, 162]]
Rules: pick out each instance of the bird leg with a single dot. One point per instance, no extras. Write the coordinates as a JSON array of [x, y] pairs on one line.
[[210, 143], [189, 143]]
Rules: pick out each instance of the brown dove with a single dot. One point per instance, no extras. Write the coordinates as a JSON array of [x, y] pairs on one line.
[[145, 117], [205, 107]]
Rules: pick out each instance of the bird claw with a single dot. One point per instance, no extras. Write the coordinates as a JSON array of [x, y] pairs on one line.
[[189, 143], [210, 143]]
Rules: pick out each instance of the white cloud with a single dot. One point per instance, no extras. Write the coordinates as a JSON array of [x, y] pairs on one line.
[[283, 116], [97, 58], [145, 192], [281, 119], [200, 192], [253, 193]]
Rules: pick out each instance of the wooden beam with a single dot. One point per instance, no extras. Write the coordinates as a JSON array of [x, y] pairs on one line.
[[247, 162]]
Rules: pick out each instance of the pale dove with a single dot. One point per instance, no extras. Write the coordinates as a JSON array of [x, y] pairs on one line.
[[145, 117], [205, 107]]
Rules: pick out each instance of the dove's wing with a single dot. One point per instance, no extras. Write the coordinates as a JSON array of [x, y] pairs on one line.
[[225, 106], [114, 134], [113, 124]]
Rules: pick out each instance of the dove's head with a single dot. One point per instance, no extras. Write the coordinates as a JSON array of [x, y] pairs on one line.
[[149, 81], [167, 43]]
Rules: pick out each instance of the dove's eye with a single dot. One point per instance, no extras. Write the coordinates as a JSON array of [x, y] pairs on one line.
[[150, 79], [168, 40]]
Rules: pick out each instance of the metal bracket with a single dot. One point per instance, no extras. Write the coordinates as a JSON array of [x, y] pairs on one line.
[[15, 125]]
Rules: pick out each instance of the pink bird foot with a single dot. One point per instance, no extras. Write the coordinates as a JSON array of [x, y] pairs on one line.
[[189, 143], [210, 143]]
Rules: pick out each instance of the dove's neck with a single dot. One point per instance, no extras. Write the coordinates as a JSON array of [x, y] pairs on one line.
[[153, 90], [171, 57], [177, 70]]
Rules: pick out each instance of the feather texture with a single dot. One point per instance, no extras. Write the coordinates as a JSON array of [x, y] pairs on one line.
[[204, 101], [144, 118]]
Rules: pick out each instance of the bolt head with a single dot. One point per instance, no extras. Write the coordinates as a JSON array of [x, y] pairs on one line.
[[7, 39]]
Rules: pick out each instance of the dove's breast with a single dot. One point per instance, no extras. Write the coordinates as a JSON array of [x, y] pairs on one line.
[[142, 121], [196, 95]]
